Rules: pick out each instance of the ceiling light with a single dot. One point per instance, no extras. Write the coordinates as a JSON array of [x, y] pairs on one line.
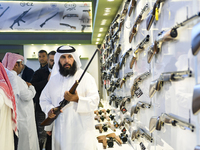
[[107, 9], [101, 30], [97, 43], [105, 14], [98, 39], [110, 0], [99, 35], [103, 22]]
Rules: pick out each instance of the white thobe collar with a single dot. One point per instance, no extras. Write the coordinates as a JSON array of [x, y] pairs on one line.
[[14, 72]]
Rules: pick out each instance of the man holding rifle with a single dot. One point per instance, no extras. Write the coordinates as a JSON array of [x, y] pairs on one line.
[[74, 128]]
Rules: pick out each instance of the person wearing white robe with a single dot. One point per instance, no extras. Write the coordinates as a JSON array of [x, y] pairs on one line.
[[8, 116], [74, 128], [24, 93]]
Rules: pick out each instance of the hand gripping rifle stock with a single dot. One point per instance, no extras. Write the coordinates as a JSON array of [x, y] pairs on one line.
[[64, 102]]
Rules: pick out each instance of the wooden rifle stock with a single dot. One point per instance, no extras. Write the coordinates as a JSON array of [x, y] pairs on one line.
[[56, 110], [64, 102], [133, 3], [132, 62]]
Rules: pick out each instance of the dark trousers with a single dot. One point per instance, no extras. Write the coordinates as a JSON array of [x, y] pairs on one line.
[[48, 143]]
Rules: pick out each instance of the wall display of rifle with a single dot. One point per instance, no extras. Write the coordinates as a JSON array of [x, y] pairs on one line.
[[166, 44], [46, 16]]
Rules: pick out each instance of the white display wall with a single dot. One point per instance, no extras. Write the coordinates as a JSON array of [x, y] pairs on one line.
[[174, 98], [84, 51]]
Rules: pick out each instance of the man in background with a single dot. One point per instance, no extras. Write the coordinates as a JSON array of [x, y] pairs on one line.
[[39, 80], [26, 73], [42, 57], [24, 93]]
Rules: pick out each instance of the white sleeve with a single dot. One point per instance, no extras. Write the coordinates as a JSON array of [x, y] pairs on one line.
[[45, 100], [25, 93], [90, 102]]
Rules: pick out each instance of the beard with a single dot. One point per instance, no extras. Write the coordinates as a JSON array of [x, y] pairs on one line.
[[67, 71], [50, 66]]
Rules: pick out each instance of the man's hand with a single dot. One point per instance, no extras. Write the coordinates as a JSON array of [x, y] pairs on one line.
[[51, 114], [49, 132], [71, 97]]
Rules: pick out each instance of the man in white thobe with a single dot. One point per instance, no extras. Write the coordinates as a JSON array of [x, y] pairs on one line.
[[24, 93], [74, 128], [8, 116]]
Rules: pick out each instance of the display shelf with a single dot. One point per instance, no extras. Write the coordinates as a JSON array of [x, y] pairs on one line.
[[123, 146]]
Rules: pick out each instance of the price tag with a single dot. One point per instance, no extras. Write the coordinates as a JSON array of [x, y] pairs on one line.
[[123, 110], [138, 92]]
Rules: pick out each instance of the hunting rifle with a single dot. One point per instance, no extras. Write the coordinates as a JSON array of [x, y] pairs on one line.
[[166, 36], [153, 14], [156, 123], [137, 21], [138, 48]]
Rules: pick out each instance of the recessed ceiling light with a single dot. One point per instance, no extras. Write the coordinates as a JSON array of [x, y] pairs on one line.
[[103, 22], [99, 35], [110, 0], [107, 10], [98, 39], [105, 14], [97, 43], [101, 30]]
